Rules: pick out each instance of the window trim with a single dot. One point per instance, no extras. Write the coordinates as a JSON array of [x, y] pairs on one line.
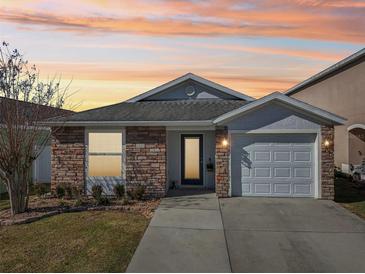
[[122, 154]]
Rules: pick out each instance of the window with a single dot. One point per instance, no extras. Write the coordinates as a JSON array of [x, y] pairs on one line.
[[105, 154]]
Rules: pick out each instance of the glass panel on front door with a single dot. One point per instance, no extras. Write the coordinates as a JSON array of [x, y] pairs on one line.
[[192, 161]]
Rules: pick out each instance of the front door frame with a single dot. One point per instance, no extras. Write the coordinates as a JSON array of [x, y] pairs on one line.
[[187, 182]]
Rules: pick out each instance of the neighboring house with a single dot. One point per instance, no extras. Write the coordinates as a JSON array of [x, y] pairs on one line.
[[341, 90], [191, 132], [42, 165]]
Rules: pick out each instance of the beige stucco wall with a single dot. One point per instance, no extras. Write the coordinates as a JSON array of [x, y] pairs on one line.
[[344, 95]]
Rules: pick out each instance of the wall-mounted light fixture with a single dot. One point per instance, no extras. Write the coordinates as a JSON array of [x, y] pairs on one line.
[[326, 143], [224, 142]]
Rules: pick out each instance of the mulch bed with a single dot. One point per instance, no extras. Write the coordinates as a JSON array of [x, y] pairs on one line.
[[40, 208]]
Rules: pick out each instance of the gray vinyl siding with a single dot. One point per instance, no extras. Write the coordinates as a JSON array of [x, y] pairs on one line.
[[174, 155], [273, 116], [202, 92]]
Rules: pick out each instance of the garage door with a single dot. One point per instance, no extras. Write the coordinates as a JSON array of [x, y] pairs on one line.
[[273, 165]]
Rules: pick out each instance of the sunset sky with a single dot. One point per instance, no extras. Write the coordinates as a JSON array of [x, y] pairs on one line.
[[113, 50]]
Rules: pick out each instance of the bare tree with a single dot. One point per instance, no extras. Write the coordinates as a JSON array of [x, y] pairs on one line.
[[24, 101]]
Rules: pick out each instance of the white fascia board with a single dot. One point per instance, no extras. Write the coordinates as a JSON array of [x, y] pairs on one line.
[[277, 96], [196, 78], [131, 123], [221, 88]]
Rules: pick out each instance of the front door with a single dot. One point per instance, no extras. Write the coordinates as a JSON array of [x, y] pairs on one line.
[[192, 159]]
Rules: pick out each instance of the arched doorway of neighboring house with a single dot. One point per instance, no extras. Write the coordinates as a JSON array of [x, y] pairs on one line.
[[357, 146]]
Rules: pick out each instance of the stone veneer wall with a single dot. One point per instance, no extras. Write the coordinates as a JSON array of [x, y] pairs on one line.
[[68, 157], [146, 159], [327, 163], [221, 163]]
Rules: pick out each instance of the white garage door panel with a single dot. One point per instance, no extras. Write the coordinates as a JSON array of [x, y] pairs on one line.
[[273, 165]]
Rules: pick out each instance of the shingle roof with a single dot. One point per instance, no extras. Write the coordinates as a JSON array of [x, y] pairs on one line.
[[43, 112], [181, 110]]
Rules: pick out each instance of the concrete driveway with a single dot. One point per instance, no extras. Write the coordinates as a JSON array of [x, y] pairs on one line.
[[196, 233], [292, 235]]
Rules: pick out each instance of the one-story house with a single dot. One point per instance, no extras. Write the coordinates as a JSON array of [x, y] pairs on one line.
[[194, 133], [340, 88]]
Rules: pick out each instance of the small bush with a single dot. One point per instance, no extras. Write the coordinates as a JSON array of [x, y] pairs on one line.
[[103, 201], [39, 189], [140, 192], [76, 193], [60, 192], [97, 193], [137, 193], [69, 192], [62, 203], [119, 191]]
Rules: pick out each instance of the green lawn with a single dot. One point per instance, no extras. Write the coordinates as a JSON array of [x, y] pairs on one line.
[[350, 195], [72, 242]]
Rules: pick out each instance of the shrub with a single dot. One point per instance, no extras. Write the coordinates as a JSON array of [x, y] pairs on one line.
[[140, 192], [119, 191], [76, 193], [39, 189], [137, 193], [103, 201], [60, 192], [97, 193], [68, 191], [62, 204]]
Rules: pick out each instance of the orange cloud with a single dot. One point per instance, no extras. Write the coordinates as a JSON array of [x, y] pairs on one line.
[[212, 20], [310, 54]]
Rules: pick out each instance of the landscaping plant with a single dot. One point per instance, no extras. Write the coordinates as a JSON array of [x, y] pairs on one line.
[[69, 192], [39, 189], [60, 192], [25, 100], [119, 191], [137, 192], [97, 193]]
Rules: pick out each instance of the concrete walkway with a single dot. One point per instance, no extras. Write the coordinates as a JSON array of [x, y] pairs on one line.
[[185, 235]]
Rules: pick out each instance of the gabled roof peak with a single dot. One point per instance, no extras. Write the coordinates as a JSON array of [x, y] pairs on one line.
[[191, 76], [279, 97]]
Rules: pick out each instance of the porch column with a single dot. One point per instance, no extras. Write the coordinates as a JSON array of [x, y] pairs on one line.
[[146, 159], [222, 150], [68, 158], [327, 162]]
